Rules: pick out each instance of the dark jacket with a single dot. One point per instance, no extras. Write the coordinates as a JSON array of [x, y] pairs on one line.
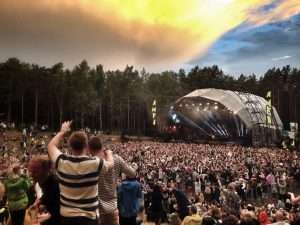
[[182, 203], [129, 193], [156, 201], [50, 199]]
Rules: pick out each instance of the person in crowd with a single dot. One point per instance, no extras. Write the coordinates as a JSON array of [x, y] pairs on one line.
[[174, 219], [248, 216], [281, 218], [4, 214], [295, 220], [232, 200], [294, 200], [248, 221], [157, 204], [193, 218], [129, 193], [208, 220], [108, 182], [271, 182], [40, 169], [215, 213], [282, 188], [185, 164], [263, 218], [197, 186], [182, 203], [17, 186], [78, 176], [230, 220]]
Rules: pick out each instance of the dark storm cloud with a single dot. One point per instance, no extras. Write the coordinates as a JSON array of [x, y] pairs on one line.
[[35, 33], [46, 36], [115, 33], [254, 50]]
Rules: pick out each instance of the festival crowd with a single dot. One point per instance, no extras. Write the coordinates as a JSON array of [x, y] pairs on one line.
[[80, 178]]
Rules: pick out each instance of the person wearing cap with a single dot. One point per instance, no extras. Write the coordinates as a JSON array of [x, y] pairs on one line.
[[108, 180]]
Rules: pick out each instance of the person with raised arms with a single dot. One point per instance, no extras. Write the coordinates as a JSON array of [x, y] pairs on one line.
[[78, 176]]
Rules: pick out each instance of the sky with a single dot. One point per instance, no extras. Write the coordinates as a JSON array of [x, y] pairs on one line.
[[240, 36]]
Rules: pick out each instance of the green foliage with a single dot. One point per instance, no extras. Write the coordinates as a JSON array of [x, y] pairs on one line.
[[120, 99]]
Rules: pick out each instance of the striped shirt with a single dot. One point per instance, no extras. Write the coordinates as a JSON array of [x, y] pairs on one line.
[[78, 183], [108, 185]]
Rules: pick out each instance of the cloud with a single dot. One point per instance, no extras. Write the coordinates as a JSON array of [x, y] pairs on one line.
[[253, 50], [281, 10], [282, 58], [154, 34]]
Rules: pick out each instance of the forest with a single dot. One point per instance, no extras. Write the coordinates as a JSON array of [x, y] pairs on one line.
[[121, 100]]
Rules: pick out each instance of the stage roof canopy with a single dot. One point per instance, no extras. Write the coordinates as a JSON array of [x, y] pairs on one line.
[[250, 108]]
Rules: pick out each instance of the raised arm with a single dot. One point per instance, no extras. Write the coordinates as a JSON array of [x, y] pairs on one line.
[[294, 200], [126, 169], [108, 162], [53, 150]]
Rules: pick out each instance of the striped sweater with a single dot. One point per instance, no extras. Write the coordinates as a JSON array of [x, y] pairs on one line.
[[78, 183], [108, 184]]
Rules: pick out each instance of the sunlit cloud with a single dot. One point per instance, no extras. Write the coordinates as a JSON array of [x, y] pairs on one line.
[[154, 34], [283, 10]]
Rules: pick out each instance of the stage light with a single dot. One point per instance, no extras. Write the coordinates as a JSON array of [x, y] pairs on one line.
[[200, 104], [172, 107], [193, 104], [180, 105], [216, 107], [207, 103]]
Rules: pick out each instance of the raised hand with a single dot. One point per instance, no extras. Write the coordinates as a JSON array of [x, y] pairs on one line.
[[66, 126]]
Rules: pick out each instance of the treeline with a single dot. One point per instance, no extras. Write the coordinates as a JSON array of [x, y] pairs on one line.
[[116, 100]]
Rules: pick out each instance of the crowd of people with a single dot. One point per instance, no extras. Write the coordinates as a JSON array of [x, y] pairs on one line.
[[82, 178], [212, 176]]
